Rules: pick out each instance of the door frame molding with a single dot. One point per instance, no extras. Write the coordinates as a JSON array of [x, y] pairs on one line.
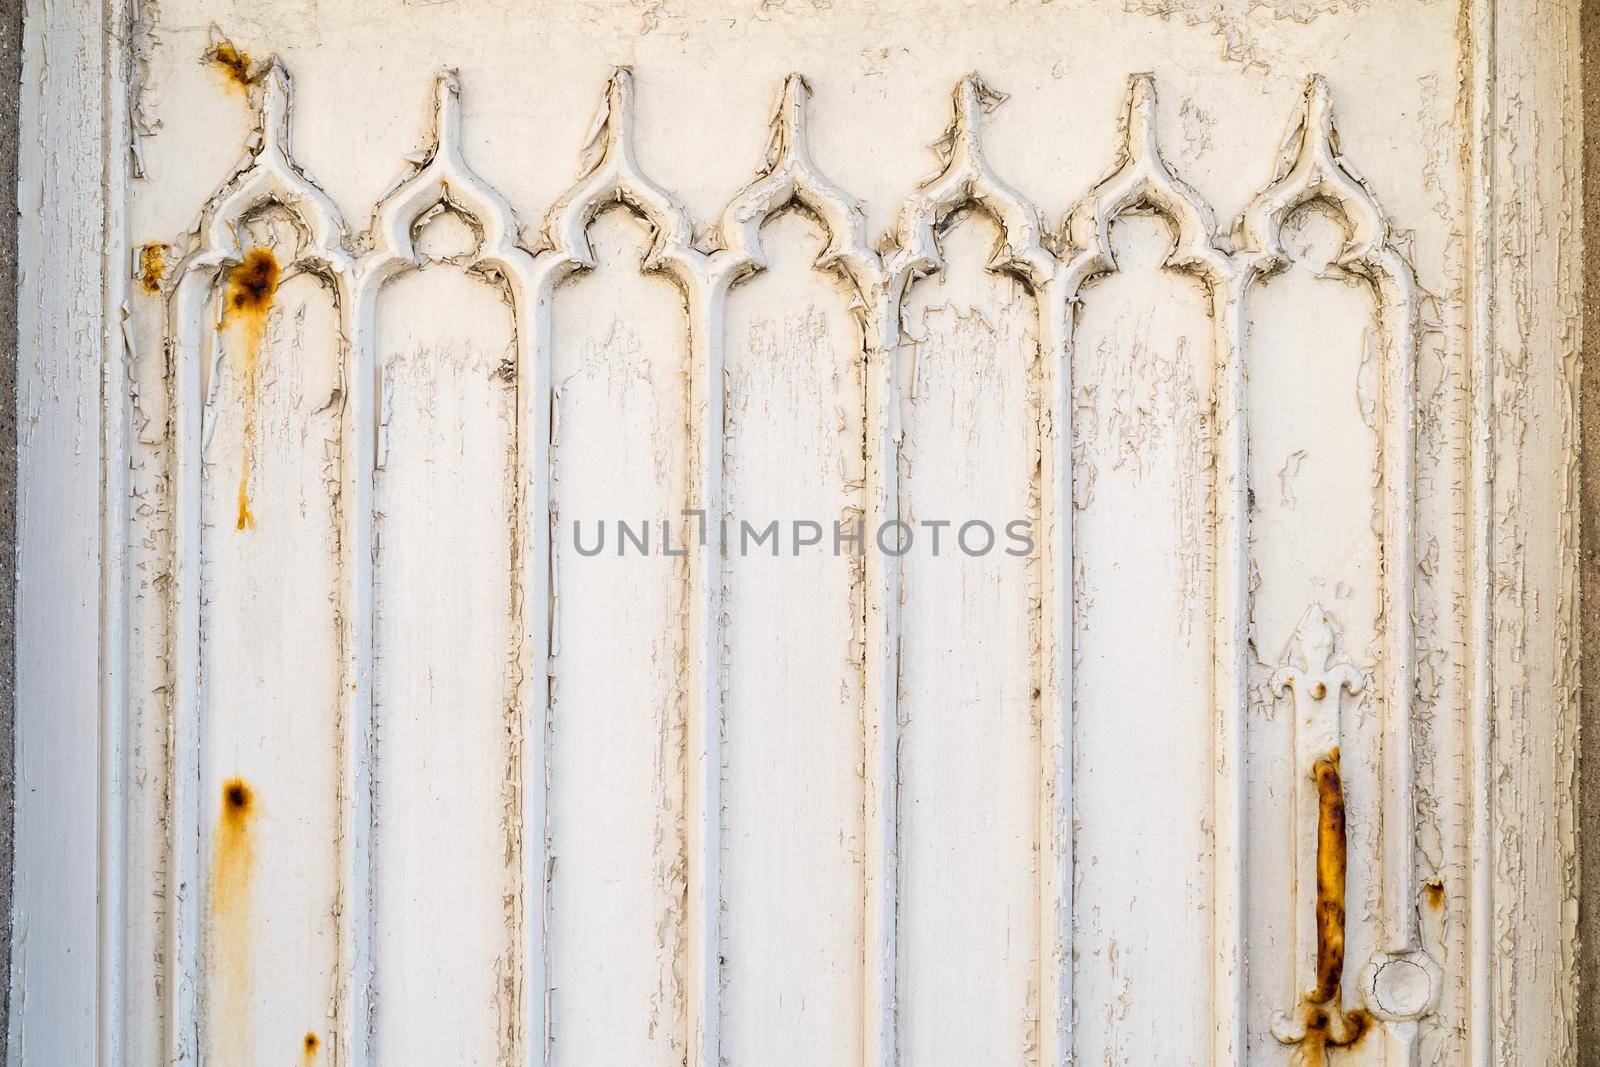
[[1522, 112]]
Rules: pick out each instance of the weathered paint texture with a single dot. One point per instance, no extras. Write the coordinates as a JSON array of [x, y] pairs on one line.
[[1264, 753], [246, 303], [230, 895], [10, 293], [1588, 622]]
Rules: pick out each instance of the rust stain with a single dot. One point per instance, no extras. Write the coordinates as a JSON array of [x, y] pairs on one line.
[[229, 890], [234, 64], [152, 266], [246, 305], [309, 1047], [1327, 1025], [1330, 876], [1325, 1030], [1433, 892]]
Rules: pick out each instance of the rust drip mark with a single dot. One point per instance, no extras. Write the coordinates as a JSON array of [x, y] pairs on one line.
[[1322, 1033], [230, 889], [1327, 1025], [1433, 893], [1330, 876], [246, 304], [234, 64], [152, 267], [309, 1048]]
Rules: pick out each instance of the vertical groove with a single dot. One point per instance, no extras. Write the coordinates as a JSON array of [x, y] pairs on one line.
[[358, 461], [1231, 679], [881, 704], [117, 16], [530, 300], [704, 728], [1056, 725], [11, 60], [1481, 310], [1399, 609], [183, 727]]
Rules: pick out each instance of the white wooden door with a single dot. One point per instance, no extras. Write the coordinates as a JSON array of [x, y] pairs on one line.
[[721, 582]]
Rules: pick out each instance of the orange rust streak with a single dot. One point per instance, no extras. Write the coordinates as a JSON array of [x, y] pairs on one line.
[[232, 62], [1330, 877], [229, 891], [246, 304], [1434, 893], [152, 267], [310, 1046], [1325, 1031]]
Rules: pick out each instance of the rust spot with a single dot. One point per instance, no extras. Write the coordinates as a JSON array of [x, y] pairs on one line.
[[1330, 876], [252, 283], [1325, 1030], [229, 892], [152, 266], [246, 305], [226, 57], [309, 1047], [1327, 1025], [1433, 893], [237, 797]]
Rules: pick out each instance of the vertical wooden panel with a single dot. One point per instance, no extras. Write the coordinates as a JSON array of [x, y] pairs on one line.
[[969, 913], [62, 324], [633, 935], [792, 718], [444, 634], [270, 668], [1313, 395], [616, 795], [1528, 372], [1144, 443]]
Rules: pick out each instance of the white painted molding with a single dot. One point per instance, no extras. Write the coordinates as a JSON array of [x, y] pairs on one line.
[[1311, 169], [66, 974], [789, 176], [1141, 180], [611, 175], [268, 177]]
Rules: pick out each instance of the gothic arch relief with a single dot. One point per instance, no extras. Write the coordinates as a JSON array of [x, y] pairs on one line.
[[1400, 982], [705, 265]]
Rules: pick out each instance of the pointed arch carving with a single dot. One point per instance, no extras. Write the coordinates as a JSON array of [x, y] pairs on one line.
[[789, 176], [1401, 982], [268, 177]]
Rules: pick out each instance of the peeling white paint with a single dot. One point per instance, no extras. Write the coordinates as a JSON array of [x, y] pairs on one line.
[[523, 805]]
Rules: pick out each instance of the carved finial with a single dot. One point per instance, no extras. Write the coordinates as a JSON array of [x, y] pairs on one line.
[[447, 111], [966, 179], [1312, 650], [789, 124], [1141, 179], [1141, 132], [1319, 112], [611, 133], [275, 107], [963, 141], [1310, 168], [1314, 638], [609, 174], [786, 175]]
